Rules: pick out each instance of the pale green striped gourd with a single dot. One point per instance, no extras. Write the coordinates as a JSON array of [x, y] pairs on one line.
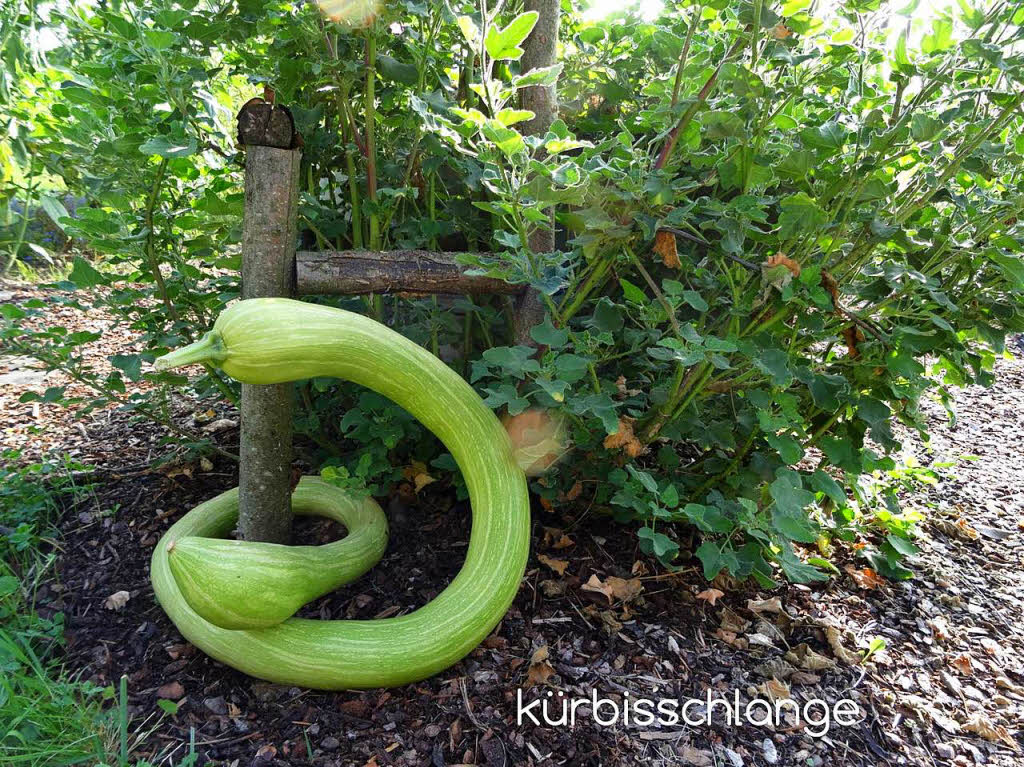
[[231, 599]]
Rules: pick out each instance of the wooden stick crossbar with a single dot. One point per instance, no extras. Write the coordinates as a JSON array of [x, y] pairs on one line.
[[356, 272]]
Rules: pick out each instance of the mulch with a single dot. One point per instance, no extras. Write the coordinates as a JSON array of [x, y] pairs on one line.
[[948, 689]]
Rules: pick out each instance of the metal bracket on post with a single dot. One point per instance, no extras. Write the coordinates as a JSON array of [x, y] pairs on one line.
[[272, 159]]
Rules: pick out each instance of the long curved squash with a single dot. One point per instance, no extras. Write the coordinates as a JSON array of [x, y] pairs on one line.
[[273, 340]]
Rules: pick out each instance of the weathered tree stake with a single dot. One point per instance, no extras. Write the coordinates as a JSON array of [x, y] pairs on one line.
[[268, 259], [355, 272]]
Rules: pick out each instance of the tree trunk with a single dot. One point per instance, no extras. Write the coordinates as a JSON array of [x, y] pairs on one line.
[[268, 263], [539, 50]]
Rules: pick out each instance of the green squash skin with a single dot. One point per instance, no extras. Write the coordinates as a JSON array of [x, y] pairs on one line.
[[272, 340], [245, 585]]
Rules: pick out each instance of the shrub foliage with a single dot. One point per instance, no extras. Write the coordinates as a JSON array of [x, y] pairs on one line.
[[777, 232]]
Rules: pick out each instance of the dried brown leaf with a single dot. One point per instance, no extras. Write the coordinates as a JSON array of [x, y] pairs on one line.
[[558, 565], [981, 725], [624, 589], [625, 438], [773, 605], [665, 246], [540, 669], [710, 595], [963, 664], [595, 586], [865, 578], [171, 691], [780, 259], [117, 600], [806, 658], [835, 641]]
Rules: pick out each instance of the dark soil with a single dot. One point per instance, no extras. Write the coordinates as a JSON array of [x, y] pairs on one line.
[[947, 689]]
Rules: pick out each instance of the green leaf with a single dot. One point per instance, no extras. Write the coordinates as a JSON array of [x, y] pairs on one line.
[[902, 545], [469, 30], [796, 570], [539, 76], [571, 367], [504, 43], [708, 519], [800, 214], [11, 312], [828, 137], [515, 361], [940, 38], [8, 585], [711, 558], [168, 706], [696, 300], [398, 71], [659, 544], [84, 276], [1012, 268], [164, 147], [924, 127], [508, 140], [601, 406], [160, 39], [789, 448], [554, 389], [607, 316], [723, 124], [824, 483], [54, 210], [789, 517], [632, 292], [775, 363], [129, 364], [512, 116], [546, 334]]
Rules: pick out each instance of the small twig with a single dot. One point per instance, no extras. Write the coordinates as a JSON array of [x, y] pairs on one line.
[[469, 708]]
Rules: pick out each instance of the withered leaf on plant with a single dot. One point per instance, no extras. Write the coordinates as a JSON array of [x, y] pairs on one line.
[[665, 246]]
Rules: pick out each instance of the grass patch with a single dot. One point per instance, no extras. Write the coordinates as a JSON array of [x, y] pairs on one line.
[[46, 715]]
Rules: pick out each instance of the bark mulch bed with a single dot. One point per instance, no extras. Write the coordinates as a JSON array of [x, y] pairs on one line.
[[947, 689]]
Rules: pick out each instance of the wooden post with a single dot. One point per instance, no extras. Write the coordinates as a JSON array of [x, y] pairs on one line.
[[539, 50], [361, 272], [268, 269]]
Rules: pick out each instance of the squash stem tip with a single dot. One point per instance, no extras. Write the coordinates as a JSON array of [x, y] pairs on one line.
[[209, 348]]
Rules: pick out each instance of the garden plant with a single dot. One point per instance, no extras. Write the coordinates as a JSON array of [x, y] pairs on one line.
[[776, 230]]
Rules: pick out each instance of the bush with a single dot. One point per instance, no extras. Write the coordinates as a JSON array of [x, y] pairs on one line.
[[779, 234]]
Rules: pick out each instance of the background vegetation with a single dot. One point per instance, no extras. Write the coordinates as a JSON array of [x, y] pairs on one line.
[[780, 226]]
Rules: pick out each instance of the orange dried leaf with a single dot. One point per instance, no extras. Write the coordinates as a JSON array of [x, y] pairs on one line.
[[595, 586], [780, 259], [623, 589], [711, 595], [963, 664], [625, 438], [853, 336], [540, 669], [665, 246], [556, 539], [865, 578], [558, 565]]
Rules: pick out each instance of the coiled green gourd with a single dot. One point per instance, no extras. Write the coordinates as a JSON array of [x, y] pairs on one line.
[[228, 597]]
